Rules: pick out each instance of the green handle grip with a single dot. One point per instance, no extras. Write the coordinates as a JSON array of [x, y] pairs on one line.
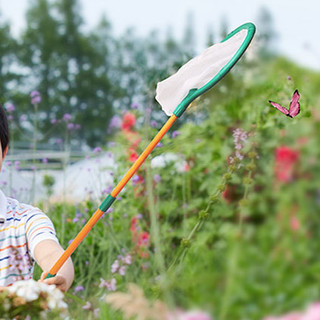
[[49, 275]]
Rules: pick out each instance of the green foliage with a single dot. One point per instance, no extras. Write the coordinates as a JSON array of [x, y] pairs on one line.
[[87, 74], [228, 242], [226, 234]]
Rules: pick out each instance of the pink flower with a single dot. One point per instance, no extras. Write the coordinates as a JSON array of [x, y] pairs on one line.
[[285, 159], [312, 313], [191, 315], [290, 316], [295, 224]]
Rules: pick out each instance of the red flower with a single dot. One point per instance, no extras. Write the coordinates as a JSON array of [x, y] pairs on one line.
[[285, 159], [133, 155], [128, 121], [227, 194], [143, 239], [133, 225]]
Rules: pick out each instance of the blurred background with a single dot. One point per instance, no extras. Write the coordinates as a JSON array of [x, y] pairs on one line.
[[233, 189]]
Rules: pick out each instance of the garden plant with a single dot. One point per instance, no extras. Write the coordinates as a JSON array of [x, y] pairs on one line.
[[220, 222]]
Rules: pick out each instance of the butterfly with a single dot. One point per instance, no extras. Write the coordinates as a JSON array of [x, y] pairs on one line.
[[294, 107]]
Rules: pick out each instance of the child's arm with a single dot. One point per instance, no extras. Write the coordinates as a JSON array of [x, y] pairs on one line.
[[46, 253]]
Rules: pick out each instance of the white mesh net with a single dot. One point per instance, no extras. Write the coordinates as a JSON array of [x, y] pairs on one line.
[[197, 72]]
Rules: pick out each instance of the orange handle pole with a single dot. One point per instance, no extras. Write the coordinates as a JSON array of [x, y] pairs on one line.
[[76, 241], [97, 215], [144, 155]]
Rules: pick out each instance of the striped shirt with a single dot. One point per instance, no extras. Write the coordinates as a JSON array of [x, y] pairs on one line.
[[22, 227]]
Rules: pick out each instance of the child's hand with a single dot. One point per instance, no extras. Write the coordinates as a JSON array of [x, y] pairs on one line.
[[59, 281]]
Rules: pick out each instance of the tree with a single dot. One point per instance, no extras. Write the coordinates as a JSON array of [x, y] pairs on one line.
[[267, 35], [8, 49], [40, 55]]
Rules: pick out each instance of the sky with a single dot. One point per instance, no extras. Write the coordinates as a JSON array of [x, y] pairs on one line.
[[296, 22]]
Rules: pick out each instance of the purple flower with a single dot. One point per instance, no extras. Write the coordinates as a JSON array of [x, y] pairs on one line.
[[78, 289], [122, 270], [115, 266], [23, 118], [156, 178], [10, 107], [134, 105], [240, 139], [127, 259], [35, 97], [97, 150], [153, 124], [110, 285], [53, 121], [159, 145], [67, 117], [70, 241], [175, 134], [16, 165], [135, 180], [115, 122], [109, 210], [45, 160], [107, 190], [70, 126]]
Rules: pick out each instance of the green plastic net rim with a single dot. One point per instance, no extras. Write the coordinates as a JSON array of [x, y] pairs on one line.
[[194, 93]]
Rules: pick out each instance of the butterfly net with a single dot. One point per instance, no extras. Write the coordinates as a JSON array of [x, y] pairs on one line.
[[213, 63]]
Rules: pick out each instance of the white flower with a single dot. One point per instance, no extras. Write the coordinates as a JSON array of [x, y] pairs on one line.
[[26, 289], [31, 289]]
